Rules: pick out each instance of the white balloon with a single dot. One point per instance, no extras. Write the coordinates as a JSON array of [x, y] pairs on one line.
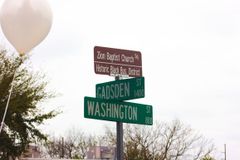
[[25, 23]]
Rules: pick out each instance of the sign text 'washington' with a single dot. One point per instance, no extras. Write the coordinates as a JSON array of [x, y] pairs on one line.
[[117, 111]]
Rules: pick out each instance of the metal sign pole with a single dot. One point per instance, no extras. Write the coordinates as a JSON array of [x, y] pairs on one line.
[[119, 126], [119, 141]]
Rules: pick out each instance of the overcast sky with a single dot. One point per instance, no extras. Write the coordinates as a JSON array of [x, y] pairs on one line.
[[190, 54]]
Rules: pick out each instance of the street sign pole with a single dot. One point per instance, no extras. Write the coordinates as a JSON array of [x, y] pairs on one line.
[[119, 141], [119, 126]]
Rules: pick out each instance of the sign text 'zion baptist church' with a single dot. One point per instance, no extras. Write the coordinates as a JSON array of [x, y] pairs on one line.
[[110, 61]]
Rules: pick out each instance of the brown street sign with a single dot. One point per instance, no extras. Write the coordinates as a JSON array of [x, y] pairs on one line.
[[111, 61]]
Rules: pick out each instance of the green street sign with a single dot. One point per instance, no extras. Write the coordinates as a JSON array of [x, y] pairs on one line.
[[121, 89], [127, 112]]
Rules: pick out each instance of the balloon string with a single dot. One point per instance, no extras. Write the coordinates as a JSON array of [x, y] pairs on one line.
[[6, 108]]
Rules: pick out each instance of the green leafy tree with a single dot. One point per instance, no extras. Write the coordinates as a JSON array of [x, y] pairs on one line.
[[24, 114]]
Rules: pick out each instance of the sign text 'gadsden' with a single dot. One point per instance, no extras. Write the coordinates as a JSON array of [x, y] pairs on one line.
[[126, 89]]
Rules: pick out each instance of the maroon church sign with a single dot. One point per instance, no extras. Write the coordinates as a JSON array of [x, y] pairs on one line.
[[115, 62]]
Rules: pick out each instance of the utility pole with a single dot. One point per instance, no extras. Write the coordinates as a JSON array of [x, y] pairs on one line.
[[225, 152], [62, 147]]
